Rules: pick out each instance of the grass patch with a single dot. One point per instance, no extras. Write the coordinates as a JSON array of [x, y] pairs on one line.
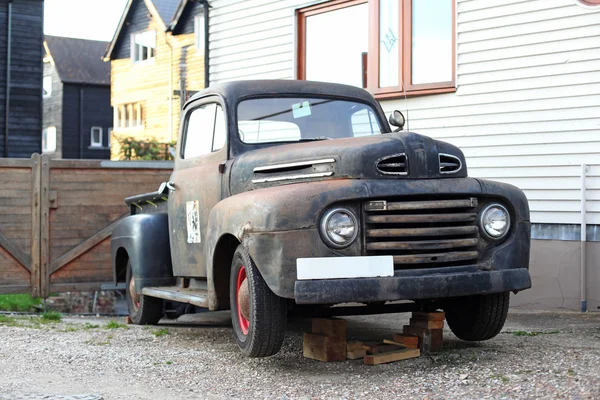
[[51, 316], [160, 332], [89, 326], [18, 302], [116, 325], [5, 319], [533, 333]]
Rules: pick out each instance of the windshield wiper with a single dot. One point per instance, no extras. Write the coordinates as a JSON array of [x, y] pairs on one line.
[[314, 139]]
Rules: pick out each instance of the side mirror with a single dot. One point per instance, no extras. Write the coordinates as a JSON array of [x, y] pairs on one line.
[[397, 119]]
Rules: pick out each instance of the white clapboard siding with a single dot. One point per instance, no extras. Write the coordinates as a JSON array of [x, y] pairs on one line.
[[527, 106]]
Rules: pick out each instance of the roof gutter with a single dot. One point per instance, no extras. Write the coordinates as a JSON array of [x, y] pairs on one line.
[[8, 77]]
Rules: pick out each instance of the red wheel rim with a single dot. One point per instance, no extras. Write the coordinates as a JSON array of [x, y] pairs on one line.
[[243, 321]]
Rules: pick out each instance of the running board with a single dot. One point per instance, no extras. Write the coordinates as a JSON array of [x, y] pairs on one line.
[[197, 297]]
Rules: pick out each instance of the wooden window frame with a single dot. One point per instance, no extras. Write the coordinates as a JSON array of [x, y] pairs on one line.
[[405, 49]]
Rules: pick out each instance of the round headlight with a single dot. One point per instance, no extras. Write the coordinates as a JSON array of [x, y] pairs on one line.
[[495, 221], [339, 227]]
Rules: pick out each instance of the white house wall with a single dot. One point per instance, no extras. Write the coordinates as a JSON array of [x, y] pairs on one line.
[[527, 106]]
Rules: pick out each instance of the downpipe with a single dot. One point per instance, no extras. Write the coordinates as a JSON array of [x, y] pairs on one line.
[[583, 266]]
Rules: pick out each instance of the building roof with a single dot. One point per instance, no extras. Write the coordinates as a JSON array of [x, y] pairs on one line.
[[79, 60], [166, 9]]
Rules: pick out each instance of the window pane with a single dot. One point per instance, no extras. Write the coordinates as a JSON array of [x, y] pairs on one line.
[[293, 119], [199, 27], [96, 136], [389, 63], [47, 84], [431, 41], [49, 139], [364, 123], [335, 41], [199, 133]]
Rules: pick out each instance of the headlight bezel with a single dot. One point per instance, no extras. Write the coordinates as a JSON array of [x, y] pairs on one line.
[[482, 229], [324, 232]]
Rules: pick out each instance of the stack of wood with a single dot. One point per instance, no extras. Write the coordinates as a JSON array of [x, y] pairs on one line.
[[327, 341], [427, 327]]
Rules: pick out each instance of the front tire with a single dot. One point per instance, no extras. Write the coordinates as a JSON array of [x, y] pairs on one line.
[[143, 310], [258, 315], [475, 318]]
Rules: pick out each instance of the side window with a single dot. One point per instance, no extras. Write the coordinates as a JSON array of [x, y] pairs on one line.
[[364, 123], [206, 131], [220, 130], [199, 131]]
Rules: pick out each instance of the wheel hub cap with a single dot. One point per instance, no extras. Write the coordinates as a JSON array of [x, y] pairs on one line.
[[243, 300]]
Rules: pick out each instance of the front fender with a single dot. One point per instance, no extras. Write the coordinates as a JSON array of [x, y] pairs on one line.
[[145, 239], [260, 218], [277, 225]]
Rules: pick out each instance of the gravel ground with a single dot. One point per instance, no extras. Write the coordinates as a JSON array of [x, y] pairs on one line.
[[201, 361]]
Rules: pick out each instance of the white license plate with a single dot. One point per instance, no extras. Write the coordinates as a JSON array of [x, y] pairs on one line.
[[344, 267]]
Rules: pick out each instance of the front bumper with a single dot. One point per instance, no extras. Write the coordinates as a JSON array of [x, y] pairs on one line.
[[411, 287]]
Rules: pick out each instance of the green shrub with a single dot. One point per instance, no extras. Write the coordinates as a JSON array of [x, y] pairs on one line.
[[144, 149]]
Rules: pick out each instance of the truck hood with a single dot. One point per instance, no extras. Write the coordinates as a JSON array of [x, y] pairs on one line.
[[402, 155]]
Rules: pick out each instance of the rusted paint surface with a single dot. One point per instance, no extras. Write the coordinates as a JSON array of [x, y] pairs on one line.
[[270, 197], [423, 244], [421, 218], [417, 232], [436, 257]]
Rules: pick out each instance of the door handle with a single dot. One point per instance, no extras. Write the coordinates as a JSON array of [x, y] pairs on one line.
[[171, 186]]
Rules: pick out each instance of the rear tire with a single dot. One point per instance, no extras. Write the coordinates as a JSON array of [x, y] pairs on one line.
[[475, 318], [143, 310], [262, 333]]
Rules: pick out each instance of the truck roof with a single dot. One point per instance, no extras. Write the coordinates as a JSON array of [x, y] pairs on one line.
[[232, 91]]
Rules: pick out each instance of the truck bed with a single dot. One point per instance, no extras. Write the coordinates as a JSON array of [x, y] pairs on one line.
[[149, 203]]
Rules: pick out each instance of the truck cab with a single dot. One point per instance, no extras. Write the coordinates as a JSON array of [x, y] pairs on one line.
[[293, 193]]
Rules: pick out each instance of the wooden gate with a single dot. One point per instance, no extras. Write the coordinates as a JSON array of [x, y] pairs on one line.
[[19, 225], [56, 218]]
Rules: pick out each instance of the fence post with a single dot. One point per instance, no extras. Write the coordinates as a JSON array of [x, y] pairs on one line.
[[45, 226], [35, 225]]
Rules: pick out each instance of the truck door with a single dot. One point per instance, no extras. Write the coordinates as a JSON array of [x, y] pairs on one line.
[[196, 183]]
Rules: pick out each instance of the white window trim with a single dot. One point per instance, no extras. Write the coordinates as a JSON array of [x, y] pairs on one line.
[[92, 143], [49, 93], [131, 123], [134, 48], [199, 36], [45, 149]]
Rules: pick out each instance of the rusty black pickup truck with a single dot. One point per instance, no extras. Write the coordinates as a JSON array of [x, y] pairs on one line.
[[298, 195]]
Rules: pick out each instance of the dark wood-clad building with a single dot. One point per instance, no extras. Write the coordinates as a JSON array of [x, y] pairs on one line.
[[77, 112], [21, 37]]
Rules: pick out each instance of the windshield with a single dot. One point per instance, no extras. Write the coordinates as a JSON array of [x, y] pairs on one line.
[[293, 119]]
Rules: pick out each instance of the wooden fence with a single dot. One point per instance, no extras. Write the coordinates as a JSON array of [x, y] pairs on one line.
[[56, 218]]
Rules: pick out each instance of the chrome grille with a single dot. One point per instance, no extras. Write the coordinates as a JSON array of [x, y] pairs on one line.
[[421, 234]]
